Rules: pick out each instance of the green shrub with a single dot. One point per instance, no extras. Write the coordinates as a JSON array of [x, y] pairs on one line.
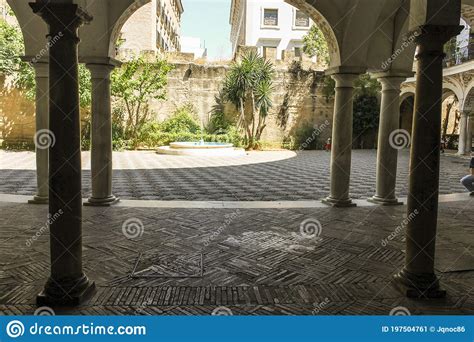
[[152, 136], [218, 122], [182, 121], [306, 138]]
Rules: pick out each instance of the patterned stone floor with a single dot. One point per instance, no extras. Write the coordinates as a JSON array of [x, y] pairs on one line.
[[260, 176], [257, 262]]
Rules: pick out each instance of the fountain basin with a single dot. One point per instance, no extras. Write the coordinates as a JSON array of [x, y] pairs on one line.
[[207, 149]]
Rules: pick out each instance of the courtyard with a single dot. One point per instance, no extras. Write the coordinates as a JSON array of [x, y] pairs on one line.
[[259, 176], [241, 235], [309, 174]]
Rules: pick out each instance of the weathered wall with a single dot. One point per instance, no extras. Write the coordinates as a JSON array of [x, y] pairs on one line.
[[17, 116], [298, 100]]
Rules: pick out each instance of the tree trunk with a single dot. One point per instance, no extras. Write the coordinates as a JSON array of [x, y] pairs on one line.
[[446, 120]]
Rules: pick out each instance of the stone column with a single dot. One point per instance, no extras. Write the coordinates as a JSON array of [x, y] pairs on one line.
[[469, 132], [463, 128], [43, 138], [417, 279], [67, 284], [387, 150], [101, 137], [341, 141]]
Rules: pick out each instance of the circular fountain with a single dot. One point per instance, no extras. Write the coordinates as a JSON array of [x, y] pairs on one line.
[[201, 148]]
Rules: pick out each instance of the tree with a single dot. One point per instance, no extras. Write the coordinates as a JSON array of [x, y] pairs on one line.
[[248, 86], [21, 73], [366, 108], [315, 45], [133, 85]]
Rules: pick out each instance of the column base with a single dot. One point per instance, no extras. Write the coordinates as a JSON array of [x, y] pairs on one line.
[[384, 201], [102, 202], [39, 200], [333, 202], [66, 293], [419, 286]]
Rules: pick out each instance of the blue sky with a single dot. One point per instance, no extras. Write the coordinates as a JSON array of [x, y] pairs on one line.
[[208, 20]]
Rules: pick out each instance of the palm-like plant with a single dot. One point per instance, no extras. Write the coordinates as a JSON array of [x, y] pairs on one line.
[[248, 85]]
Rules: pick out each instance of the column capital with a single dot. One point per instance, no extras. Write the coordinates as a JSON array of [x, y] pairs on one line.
[[100, 71], [41, 69], [63, 18], [391, 82], [431, 38], [344, 80]]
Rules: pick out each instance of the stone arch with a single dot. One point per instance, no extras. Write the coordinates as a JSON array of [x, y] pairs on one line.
[[404, 43], [468, 104], [407, 106], [121, 19], [322, 22], [33, 28], [451, 89]]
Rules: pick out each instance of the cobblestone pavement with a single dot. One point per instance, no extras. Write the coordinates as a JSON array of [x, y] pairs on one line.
[[260, 176], [256, 262]]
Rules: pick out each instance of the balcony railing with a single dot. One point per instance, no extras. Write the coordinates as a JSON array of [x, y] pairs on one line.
[[459, 55]]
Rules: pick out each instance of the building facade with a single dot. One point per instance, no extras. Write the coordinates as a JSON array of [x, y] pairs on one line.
[[458, 90], [273, 26], [154, 27]]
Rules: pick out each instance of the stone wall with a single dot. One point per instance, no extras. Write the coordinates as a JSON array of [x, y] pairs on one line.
[[17, 116], [298, 101]]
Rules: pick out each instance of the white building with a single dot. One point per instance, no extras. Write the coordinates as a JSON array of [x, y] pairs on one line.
[[268, 24], [154, 27], [193, 45], [5, 13]]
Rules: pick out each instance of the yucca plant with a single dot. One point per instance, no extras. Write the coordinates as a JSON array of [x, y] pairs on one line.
[[248, 86]]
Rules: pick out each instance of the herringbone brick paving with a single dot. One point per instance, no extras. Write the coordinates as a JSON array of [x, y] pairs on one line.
[[260, 176], [258, 262]]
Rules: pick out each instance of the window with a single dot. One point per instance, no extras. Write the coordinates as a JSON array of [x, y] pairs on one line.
[[270, 17], [298, 52], [301, 19]]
